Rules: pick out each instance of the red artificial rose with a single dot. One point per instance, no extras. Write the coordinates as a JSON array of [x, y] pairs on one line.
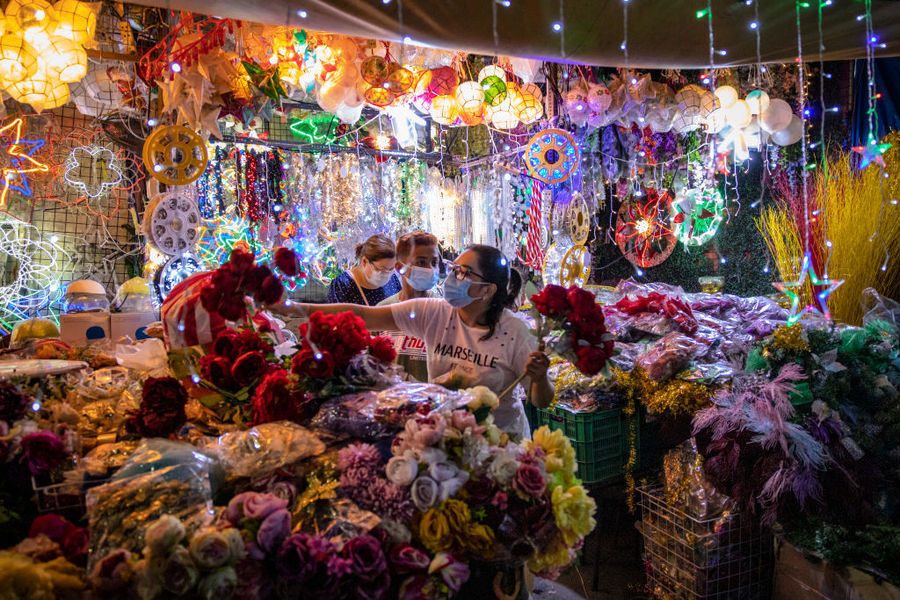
[[221, 295], [249, 340], [275, 399], [305, 364], [353, 332], [249, 367], [240, 262], [52, 525], [162, 408], [590, 359], [383, 349], [75, 546], [42, 452], [270, 291], [227, 344], [254, 279], [591, 331], [552, 301], [217, 371], [287, 262], [581, 301]]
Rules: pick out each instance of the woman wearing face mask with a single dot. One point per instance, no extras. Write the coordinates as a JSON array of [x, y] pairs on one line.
[[470, 336], [417, 264], [372, 279]]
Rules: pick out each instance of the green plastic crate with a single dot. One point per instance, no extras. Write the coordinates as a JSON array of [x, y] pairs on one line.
[[600, 440], [531, 413]]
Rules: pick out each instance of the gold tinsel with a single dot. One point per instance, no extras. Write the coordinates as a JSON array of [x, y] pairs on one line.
[[674, 396], [790, 338]]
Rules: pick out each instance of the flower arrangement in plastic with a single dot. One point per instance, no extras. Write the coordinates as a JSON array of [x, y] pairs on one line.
[[577, 327]]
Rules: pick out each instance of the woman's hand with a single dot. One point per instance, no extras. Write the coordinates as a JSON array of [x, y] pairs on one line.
[[287, 309], [537, 365]]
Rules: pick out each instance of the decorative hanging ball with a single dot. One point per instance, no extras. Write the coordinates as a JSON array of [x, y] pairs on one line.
[[716, 120], [35, 90], [443, 81], [65, 59], [374, 70], [444, 110], [75, 20], [551, 156], [504, 119], [59, 95], [494, 90], [776, 116], [689, 102], [378, 96], [18, 59], [527, 107], [399, 80], [727, 95], [470, 97], [31, 16], [471, 118], [492, 71], [598, 98], [738, 114], [758, 101]]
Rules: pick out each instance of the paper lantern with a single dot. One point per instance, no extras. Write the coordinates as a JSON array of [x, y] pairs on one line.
[[776, 116], [738, 114], [527, 107], [504, 119], [470, 97], [399, 80], [598, 98], [444, 110], [790, 134], [443, 81], [716, 121], [65, 60], [758, 101], [36, 90], [491, 71], [689, 102], [727, 95], [374, 70], [378, 96], [18, 59], [534, 90], [708, 103], [494, 90], [471, 119], [75, 20], [28, 17], [58, 95]]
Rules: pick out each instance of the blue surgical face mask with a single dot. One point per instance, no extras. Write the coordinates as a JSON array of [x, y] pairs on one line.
[[421, 279], [456, 291]]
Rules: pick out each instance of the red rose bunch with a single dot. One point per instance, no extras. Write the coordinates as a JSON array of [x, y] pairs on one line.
[[287, 262], [575, 311], [162, 408], [277, 398], [238, 278]]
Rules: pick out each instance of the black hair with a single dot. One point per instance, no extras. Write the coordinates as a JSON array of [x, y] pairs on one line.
[[495, 268]]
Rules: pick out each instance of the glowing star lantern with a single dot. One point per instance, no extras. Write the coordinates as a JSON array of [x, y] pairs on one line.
[[20, 160], [444, 110], [443, 81], [697, 214], [18, 60], [792, 290], [75, 20], [643, 233], [738, 114], [470, 97], [871, 153], [758, 101], [727, 95], [93, 170], [494, 90], [492, 71]]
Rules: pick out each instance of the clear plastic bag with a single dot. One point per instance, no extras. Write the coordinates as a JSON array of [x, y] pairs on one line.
[[144, 356], [878, 309], [670, 355], [265, 448]]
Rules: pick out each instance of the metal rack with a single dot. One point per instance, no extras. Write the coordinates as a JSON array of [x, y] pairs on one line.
[[726, 557]]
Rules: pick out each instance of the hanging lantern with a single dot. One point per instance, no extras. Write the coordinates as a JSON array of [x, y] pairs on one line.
[[18, 59], [378, 97], [716, 121], [374, 70], [504, 118], [30, 17], [758, 101], [444, 110], [36, 90], [399, 80], [708, 103], [738, 114], [76, 20], [469, 97], [472, 119], [59, 95], [443, 81], [727, 95], [527, 107], [494, 90], [534, 90], [492, 71], [65, 60]]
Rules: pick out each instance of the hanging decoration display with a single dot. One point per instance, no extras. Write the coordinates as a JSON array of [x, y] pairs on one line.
[[643, 232], [174, 155], [791, 289], [871, 152], [534, 247], [552, 156], [697, 214], [42, 49], [172, 223], [93, 170], [18, 160]]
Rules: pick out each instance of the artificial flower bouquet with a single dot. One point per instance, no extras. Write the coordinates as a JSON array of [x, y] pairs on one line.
[[576, 327]]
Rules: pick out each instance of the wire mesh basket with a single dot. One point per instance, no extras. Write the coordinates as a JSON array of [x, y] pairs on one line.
[[726, 557]]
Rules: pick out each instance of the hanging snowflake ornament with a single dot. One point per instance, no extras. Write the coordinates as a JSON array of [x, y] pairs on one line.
[[93, 170], [643, 233], [697, 214]]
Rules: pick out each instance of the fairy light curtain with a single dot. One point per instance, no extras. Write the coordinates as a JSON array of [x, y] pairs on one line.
[[886, 72]]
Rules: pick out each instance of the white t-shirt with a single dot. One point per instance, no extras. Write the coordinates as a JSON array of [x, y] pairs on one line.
[[457, 349]]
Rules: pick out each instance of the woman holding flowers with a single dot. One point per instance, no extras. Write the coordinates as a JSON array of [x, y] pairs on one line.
[[471, 336]]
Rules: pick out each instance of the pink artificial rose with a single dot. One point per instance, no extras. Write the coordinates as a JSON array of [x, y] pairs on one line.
[[406, 558], [260, 506], [401, 470], [529, 481], [463, 419], [417, 587], [454, 573], [426, 430]]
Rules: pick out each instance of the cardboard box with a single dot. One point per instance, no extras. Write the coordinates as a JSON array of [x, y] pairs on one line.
[[131, 325], [80, 329]]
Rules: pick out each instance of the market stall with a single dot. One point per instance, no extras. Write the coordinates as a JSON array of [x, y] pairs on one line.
[[357, 302]]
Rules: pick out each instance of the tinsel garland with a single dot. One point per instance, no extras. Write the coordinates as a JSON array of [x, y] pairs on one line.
[[674, 396], [630, 412], [790, 338]]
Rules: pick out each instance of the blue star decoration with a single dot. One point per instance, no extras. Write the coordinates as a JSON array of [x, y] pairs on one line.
[[871, 153], [20, 160], [792, 290]]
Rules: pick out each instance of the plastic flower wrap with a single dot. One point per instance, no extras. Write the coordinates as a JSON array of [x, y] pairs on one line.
[[577, 326]]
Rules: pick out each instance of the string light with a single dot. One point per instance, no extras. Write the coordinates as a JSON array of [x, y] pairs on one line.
[[302, 14], [94, 170], [20, 160]]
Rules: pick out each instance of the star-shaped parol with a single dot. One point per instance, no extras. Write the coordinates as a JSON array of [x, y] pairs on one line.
[[871, 153], [792, 290], [20, 160]]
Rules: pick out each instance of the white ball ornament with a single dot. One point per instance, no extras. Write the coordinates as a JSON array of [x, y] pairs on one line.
[[727, 95], [776, 116], [790, 134]]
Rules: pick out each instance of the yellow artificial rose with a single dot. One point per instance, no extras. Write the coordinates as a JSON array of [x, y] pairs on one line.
[[556, 556], [434, 531], [558, 450], [574, 511], [458, 516], [479, 539]]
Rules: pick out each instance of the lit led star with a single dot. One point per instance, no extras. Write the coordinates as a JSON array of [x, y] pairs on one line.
[[792, 290], [871, 152], [20, 160]]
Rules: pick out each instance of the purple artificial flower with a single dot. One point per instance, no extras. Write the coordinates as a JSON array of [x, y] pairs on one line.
[[42, 452], [406, 558], [374, 590], [273, 530], [359, 456], [260, 506], [529, 481], [366, 557], [234, 512], [13, 403]]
